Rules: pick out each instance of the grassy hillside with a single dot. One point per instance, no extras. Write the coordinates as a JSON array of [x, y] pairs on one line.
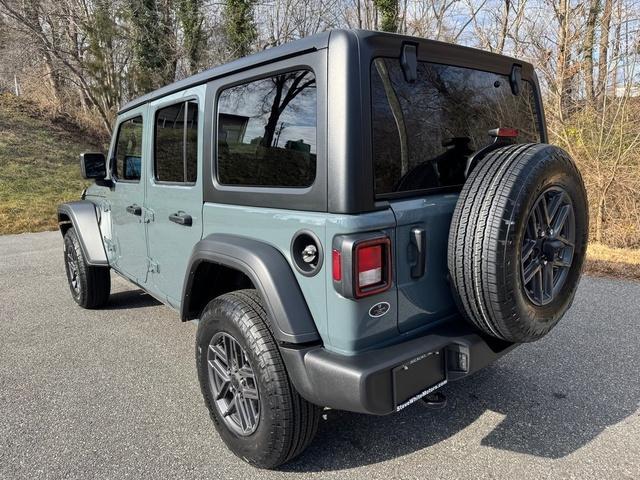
[[38, 165]]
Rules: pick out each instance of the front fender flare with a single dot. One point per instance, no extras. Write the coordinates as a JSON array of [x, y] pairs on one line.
[[271, 274], [82, 215]]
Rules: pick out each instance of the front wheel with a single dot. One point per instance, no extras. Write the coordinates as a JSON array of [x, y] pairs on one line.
[[90, 286], [255, 408]]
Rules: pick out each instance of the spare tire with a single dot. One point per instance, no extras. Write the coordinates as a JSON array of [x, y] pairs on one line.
[[517, 241]]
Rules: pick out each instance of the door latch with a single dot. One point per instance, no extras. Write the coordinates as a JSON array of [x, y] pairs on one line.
[[148, 215]]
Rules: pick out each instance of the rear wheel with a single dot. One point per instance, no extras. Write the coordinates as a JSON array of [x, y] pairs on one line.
[[255, 408], [90, 286], [518, 240]]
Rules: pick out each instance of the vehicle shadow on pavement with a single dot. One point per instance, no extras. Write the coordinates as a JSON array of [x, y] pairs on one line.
[[546, 399], [130, 299]]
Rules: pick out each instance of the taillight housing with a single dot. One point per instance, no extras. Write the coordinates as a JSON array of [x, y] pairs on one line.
[[362, 264]]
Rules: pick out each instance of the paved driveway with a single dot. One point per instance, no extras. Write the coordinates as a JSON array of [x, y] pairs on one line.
[[113, 393]]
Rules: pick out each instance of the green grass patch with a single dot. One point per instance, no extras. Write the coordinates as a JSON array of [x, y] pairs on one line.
[[39, 166]]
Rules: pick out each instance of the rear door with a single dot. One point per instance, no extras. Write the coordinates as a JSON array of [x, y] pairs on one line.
[[423, 134], [174, 189]]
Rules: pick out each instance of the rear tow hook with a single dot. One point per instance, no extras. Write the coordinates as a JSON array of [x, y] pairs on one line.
[[434, 401]]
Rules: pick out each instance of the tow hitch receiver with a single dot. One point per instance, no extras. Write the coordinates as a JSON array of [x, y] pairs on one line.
[[434, 401]]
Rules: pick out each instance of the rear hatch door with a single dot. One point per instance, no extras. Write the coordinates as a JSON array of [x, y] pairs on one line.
[[426, 124]]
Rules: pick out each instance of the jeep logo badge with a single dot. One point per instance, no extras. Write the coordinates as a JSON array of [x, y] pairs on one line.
[[379, 309]]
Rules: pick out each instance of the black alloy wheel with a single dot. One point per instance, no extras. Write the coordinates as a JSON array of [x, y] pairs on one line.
[[233, 384], [548, 245]]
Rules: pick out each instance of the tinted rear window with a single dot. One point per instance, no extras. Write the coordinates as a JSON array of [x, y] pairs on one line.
[[176, 143], [424, 132], [267, 132]]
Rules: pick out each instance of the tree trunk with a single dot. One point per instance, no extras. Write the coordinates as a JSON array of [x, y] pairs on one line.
[[603, 51], [563, 84], [587, 48], [505, 27]]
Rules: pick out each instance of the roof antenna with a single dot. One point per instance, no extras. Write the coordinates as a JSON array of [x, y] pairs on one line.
[[409, 62]]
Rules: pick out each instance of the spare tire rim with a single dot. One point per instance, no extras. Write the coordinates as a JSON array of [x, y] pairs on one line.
[[548, 246], [233, 384]]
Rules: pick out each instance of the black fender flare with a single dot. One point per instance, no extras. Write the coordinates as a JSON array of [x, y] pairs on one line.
[[270, 273], [84, 218]]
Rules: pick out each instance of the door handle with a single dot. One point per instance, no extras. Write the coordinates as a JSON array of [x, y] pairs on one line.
[[134, 210], [419, 241], [181, 218]]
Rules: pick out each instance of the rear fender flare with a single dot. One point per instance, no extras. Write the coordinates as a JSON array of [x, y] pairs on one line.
[[271, 275]]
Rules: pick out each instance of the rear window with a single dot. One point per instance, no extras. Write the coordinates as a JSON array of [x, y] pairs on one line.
[[424, 132], [176, 143]]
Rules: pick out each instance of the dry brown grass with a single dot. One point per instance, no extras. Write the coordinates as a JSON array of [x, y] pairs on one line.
[[617, 262], [39, 166]]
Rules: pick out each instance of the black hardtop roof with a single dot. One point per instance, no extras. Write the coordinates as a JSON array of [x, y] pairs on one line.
[[308, 44]]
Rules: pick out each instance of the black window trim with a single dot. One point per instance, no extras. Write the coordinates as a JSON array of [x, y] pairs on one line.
[[156, 109], [114, 161], [448, 188], [218, 185]]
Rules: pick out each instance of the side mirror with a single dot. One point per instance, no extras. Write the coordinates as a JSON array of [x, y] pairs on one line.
[[93, 165]]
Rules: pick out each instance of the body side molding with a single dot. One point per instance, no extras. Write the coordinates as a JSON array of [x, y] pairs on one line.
[[270, 273], [82, 215]]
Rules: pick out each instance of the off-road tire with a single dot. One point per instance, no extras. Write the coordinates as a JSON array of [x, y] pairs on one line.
[[487, 232], [92, 284], [287, 422]]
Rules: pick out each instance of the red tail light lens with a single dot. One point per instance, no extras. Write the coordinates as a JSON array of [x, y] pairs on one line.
[[369, 265], [372, 267], [337, 265], [504, 132]]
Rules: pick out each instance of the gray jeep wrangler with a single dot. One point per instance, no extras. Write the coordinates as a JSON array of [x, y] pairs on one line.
[[355, 218]]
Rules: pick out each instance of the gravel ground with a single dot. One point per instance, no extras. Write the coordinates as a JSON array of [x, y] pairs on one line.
[[113, 393]]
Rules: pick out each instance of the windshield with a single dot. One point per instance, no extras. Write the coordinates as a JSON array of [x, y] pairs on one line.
[[424, 132]]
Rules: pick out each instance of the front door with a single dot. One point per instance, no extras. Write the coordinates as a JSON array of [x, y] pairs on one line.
[[174, 189], [127, 246]]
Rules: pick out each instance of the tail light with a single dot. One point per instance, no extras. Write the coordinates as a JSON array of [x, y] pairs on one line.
[[504, 132], [361, 264], [372, 267], [337, 265]]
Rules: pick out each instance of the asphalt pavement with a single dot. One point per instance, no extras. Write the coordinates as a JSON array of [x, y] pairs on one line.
[[113, 393]]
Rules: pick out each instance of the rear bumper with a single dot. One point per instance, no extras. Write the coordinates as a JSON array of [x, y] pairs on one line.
[[364, 383]]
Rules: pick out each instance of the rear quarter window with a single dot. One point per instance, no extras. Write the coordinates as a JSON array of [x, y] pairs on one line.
[[267, 132], [424, 132]]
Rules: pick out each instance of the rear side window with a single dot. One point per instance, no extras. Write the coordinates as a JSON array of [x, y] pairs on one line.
[[424, 132], [176, 143], [128, 154], [267, 132]]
